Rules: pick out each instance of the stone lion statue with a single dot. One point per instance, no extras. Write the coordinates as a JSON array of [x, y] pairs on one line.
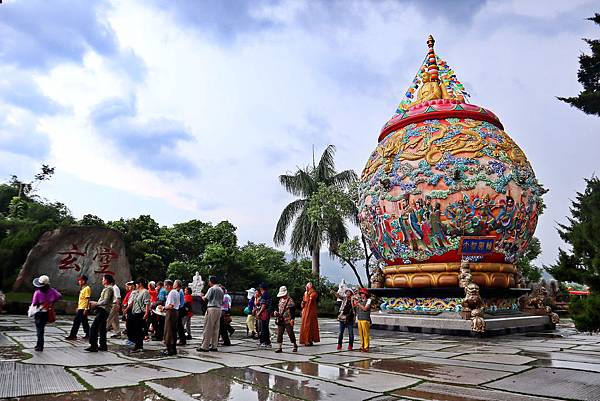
[[477, 321], [472, 299]]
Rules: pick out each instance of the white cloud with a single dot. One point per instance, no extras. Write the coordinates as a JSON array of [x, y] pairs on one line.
[[256, 105]]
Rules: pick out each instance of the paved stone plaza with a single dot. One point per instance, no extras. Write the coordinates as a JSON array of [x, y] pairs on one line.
[[534, 366]]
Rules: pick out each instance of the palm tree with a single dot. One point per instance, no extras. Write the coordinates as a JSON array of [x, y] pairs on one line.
[[308, 235]]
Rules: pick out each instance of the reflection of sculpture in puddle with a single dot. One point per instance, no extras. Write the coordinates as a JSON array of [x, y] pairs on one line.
[[212, 387], [197, 284]]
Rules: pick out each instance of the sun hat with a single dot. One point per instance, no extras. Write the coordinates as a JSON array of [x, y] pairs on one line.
[[251, 292], [282, 291], [363, 290], [41, 281], [350, 291]]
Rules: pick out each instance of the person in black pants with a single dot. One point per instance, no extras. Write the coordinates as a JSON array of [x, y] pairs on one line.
[[264, 315], [83, 305], [44, 298], [139, 308], [103, 306], [178, 285]]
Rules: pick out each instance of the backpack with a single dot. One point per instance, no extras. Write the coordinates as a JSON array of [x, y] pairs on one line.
[[271, 307]]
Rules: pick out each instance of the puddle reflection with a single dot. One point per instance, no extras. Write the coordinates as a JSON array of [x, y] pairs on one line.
[[335, 373], [422, 369], [219, 387], [118, 394]]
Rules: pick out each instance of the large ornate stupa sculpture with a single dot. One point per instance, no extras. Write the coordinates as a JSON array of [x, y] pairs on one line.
[[446, 184]]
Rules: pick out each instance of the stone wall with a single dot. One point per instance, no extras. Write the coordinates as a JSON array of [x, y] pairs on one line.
[[67, 252]]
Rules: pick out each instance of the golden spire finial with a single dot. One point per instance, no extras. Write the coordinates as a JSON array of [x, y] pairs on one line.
[[432, 67]]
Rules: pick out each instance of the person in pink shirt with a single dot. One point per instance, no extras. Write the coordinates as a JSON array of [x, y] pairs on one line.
[[44, 299]]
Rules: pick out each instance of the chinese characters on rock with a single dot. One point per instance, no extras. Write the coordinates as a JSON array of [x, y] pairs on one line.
[[104, 256]]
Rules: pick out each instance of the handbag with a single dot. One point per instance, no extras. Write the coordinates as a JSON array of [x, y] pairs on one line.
[[280, 319], [51, 313], [33, 309], [343, 318]]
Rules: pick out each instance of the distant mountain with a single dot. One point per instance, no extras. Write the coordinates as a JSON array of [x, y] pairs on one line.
[[334, 271]]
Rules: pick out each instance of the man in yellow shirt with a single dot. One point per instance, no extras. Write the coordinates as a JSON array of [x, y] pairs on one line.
[[83, 306]]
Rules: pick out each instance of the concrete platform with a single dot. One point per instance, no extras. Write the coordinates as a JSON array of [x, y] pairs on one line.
[[452, 324]]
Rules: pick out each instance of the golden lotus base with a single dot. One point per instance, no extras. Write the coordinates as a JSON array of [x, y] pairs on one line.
[[427, 275]]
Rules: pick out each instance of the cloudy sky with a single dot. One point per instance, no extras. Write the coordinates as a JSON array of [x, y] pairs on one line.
[[191, 109]]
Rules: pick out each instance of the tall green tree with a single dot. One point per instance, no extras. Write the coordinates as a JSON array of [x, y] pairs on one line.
[[149, 246], [582, 233], [309, 235], [531, 272], [24, 217], [588, 100], [582, 263]]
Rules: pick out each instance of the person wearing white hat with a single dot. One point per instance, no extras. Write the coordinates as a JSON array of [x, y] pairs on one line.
[[44, 298], [250, 319], [284, 318]]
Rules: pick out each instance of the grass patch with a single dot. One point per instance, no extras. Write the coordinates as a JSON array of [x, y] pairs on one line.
[[26, 297]]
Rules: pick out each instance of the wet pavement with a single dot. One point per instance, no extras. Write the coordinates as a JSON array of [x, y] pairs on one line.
[[562, 365]]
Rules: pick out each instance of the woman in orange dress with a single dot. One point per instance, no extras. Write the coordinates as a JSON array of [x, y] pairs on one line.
[[309, 330]]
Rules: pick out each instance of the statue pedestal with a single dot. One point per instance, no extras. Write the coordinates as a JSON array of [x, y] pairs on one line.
[[198, 306], [439, 310], [451, 323]]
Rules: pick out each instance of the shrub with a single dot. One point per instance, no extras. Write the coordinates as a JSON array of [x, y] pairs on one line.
[[585, 312]]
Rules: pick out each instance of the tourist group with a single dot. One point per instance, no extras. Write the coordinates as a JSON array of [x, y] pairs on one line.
[[162, 311]]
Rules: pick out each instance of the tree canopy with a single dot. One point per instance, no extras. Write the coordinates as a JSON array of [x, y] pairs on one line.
[[315, 221], [154, 251], [588, 100], [582, 233], [582, 263]]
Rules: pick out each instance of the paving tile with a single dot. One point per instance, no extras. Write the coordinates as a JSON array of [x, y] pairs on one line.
[[188, 365], [73, 356], [317, 349], [117, 394], [17, 379], [565, 356], [470, 364], [377, 355], [429, 346], [287, 355], [439, 391], [554, 363], [123, 375], [561, 383], [296, 386], [431, 371], [496, 349], [352, 377], [535, 348], [595, 348], [440, 354], [336, 358], [496, 358], [230, 359], [210, 387], [5, 341]]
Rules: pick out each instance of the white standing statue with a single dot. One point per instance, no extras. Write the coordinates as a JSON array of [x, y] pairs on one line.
[[342, 289], [197, 284]]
